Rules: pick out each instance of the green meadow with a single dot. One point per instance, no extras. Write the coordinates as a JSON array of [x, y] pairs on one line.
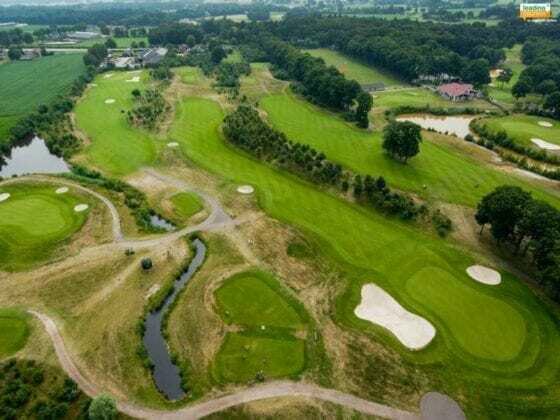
[[34, 221], [421, 97], [353, 69], [116, 147], [121, 42], [438, 173], [523, 128], [502, 92], [14, 330], [186, 205]]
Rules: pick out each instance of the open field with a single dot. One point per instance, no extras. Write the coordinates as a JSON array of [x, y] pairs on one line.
[[121, 42], [353, 69], [391, 253], [35, 220], [523, 128], [421, 97], [438, 173], [502, 93], [27, 84], [116, 147], [14, 330]]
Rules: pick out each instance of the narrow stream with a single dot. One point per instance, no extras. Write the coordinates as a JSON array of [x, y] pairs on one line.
[[166, 374]]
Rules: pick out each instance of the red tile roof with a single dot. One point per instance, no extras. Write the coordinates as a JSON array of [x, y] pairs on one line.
[[456, 89]]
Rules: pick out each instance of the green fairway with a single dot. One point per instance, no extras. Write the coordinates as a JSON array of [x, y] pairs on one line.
[[253, 299], [243, 356], [186, 205], [116, 147], [27, 84], [33, 222], [14, 330], [421, 97], [189, 75], [353, 69], [523, 128], [502, 92], [446, 174], [372, 247]]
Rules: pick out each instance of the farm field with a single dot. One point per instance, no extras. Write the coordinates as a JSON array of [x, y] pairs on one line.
[[23, 240], [121, 42], [353, 69], [28, 84], [437, 173], [523, 128], [14, 330], [116, 147]]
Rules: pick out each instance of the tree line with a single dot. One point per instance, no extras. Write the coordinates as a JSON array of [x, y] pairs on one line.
[[245, 129], [148, 110], [529, 228]]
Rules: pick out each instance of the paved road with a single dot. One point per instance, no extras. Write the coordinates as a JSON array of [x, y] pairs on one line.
[[273, 389]]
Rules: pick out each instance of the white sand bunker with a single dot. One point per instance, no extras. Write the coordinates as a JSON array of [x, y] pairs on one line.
[[484, 275], [135, 79], [545, 145], [4, 196], [545, 124], [81, 207], [109, 101], [245, 189], [108, 75], [62, 190], [93, 84], [173, 144], [379, 307]]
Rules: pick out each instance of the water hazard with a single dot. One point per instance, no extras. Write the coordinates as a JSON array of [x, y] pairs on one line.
[[32, 157], [161, 223], [458, 125], [166, 374]]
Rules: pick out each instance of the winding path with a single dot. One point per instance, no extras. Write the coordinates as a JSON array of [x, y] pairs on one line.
[[273, 389]]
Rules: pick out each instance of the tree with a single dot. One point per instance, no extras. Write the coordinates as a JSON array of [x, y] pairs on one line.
[[15, 53], [477, 72], [190, 41], [365, 102], [147, 263], [103, 407], [521, 88], [505, 76], [402, 139], [110, 43], [218, 54], [552, 103]]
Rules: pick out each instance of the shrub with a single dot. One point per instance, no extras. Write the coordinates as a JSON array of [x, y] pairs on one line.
[[103, 407], [147, 263]]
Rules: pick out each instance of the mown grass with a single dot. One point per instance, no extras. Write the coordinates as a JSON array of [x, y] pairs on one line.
[[189, 75], [502, 92], [372, 247], [523, 128], [14, 331], [438, 173], [34, 221], [421, 97], [353, 69], [28, 84], [186, 205], [116, 147]]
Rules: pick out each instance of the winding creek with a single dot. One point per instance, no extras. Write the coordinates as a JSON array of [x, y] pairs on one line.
[[166, 374]]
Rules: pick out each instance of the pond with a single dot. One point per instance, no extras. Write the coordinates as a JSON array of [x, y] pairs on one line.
[[166, 374], [458, 125], [32, 157], [161, 223]]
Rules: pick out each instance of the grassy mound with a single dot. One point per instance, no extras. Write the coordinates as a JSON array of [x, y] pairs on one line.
[[14, 330], [186, 205], [255, 301], [116, 147], [33, 222], [523, 128]]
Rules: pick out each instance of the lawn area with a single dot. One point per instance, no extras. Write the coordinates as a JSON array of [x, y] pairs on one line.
[[255, 301], [421, 97], [522, 128], [116, 147], [27, 84], [189, 75], [438, 173], [186, 204], [502, 93], [373, 247], [353, 69], [14, 330], [34, 220]]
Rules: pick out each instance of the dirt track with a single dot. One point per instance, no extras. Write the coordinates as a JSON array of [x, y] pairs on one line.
[[258, 392]]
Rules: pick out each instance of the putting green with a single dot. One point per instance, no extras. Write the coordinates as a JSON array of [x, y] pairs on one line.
[[116, 147], [14, 330], [523, 128], [448, 175], [34, 220], [186, 205]]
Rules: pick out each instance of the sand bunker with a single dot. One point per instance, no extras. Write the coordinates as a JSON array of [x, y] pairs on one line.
[[173, 144], [135, 79], [245, 189], [153, 290], [484, 275], [545, 145], [4, 196], [545, 124], [109, 101], [81, 207], [108, 75], [62, 190], [378, 307]]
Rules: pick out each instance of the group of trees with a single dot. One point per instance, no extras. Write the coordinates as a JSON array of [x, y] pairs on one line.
[[95, 55], [245, 129], [14, 37], [149, 108], [531, 228]]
